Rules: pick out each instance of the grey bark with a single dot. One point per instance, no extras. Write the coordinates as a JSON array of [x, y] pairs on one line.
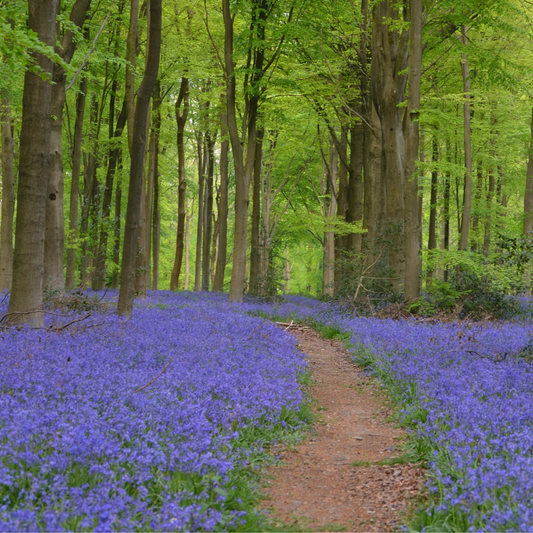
[[467, 203], [127, 277], [28, 261], [8, 194], [218, 283], [75, 186], [181, 120]]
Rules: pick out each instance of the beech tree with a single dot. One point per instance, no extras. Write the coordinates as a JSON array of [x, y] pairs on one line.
[[25, 304]]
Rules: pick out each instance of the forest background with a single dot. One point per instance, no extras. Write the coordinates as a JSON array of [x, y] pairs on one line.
[[321, 147]]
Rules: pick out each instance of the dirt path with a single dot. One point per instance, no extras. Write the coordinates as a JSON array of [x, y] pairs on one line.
[[316, 487]]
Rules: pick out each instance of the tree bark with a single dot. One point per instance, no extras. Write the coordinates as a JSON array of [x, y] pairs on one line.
[[28, 261], [528, 196], [411, 222], [432, 238], [390, 52], [75, 186], [127, 277], [243, 163], [181, 120], [152, 200], [116, 242], [8, 194], [218, 283], [256, 212], [131, 57], [467, 203], [100, 273], [201, 205], [329, 192], [208, 208], [54, 241]]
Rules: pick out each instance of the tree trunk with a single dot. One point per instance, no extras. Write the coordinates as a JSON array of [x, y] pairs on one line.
[[188, 244], [181, 119], [355, 185], [100, 274], [432, 238], [390, 52], [329, 191], [54, 241], [28, 261], [256, 213], [8, 194], [152, 201], [467, 203], [89, 193], [286, 271], [127, 277], [528, 196], [218, 284], [131, 57], [116, 243], [208, 208], [201, 206], [412, 227], [475, 237], [243, 163], [342, 209], [75, 186]]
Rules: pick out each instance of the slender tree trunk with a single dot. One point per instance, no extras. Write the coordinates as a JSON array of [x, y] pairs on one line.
[[75, 186], [8, 194], [181, 119], [256, 213], [28, 261], [100, 273], [116, 243], [90, 187], [342, 209], [54, 241], [411, 222], [467, 203], [201, 208], [528, 196], [286, 271], [188, 244], [218, 283], [432, 239], [151, 204], [243, 163], [475, 237], [131, 57], [127, 286], [355, 186], [447, 199], [208, 208], [329, 193]]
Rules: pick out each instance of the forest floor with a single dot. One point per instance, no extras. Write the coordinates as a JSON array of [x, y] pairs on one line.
[[350, 475]]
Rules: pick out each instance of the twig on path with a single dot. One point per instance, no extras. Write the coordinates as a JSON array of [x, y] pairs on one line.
[[288, 325], [150, 382]]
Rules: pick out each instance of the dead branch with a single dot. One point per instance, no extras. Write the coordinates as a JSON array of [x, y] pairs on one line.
[[150, 382], [61, 328]]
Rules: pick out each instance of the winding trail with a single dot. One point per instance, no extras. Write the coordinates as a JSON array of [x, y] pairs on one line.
[[316, 487]]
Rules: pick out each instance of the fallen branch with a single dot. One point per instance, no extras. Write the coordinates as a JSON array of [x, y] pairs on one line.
[[4, 298], [58, 329], [288, 325], [158, 375]]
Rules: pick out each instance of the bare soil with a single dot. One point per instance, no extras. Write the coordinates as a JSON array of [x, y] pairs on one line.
[[316, 487]]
